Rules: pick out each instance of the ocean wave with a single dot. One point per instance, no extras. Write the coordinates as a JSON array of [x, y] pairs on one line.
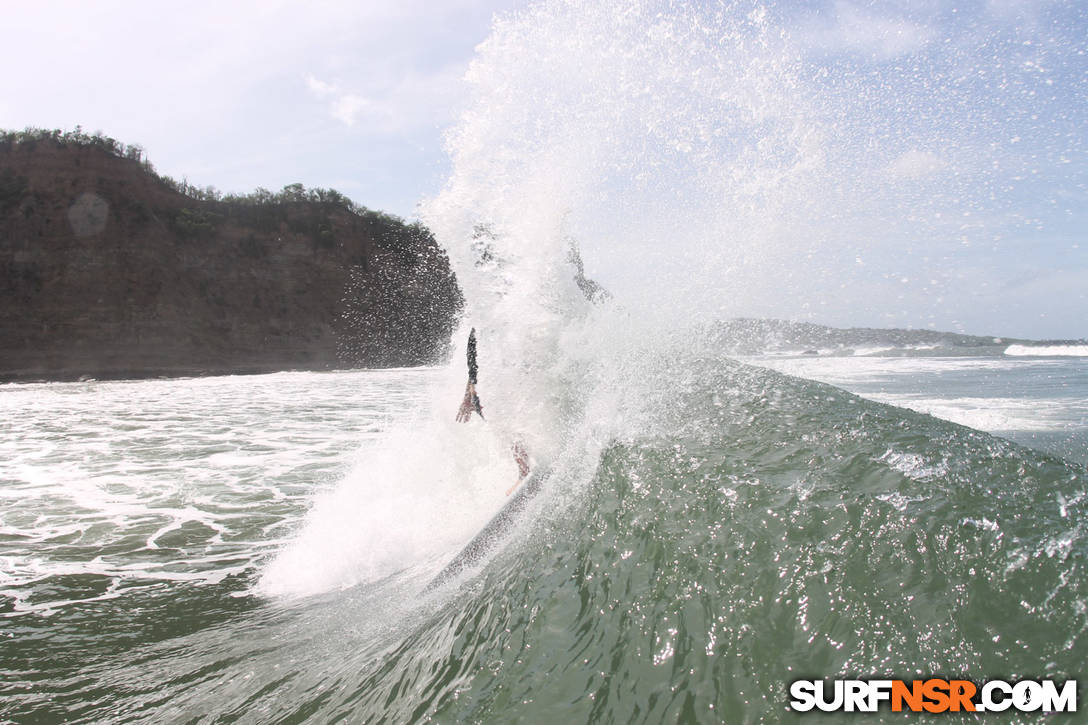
[[1047, 350], [997, 414], [772, 525], [742, 525]]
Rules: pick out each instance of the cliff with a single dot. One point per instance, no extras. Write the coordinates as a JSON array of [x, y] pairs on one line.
[[108, 270]]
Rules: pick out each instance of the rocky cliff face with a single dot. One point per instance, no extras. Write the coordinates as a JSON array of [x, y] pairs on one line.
[[108, 271]]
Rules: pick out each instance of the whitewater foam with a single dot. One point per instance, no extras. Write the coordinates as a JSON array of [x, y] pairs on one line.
[[410, 500], [1047, 350], [151, 481]]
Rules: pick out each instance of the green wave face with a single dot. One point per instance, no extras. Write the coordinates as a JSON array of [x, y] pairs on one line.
[[784, 530]]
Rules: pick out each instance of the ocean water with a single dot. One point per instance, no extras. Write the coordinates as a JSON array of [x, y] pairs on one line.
[[260, 549], [1039, 401], [246, 549]]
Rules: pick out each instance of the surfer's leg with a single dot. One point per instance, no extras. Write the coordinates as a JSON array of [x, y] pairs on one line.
[[521, 457]]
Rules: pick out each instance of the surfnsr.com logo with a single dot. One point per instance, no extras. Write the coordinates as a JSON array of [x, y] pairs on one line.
[[933, 695]]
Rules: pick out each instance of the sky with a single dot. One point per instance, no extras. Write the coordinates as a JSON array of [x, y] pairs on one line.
[[241, 94], [357, 96]]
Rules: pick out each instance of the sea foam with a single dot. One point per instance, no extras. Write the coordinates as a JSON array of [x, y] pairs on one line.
[[1047, 350]]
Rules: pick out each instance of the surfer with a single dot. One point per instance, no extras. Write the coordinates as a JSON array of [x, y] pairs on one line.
[[593, 292], [471, 403]]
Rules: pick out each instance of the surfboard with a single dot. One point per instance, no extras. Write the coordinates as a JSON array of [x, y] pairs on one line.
[[491, 535]]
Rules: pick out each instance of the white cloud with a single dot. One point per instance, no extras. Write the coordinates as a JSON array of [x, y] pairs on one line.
[[862, 32], [916, 164], [319, 87], [415, 100], [347, 107], [344, 107]]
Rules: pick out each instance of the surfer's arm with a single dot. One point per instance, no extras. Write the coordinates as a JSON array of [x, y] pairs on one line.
[[471, 400], [470, 351]]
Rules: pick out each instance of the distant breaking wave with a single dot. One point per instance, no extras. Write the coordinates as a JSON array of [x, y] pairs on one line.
[[1047, 350]]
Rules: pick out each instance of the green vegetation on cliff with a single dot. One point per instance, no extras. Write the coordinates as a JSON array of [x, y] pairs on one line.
[[110, 269], [30, 137]]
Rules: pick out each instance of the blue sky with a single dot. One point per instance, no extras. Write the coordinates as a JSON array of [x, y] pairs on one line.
[[980, 109]]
